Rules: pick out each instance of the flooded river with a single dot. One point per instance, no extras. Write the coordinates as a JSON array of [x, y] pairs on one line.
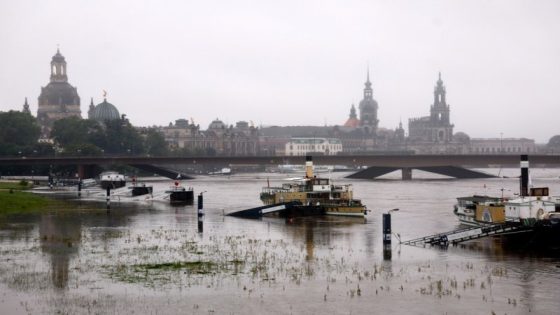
[[150, 258]]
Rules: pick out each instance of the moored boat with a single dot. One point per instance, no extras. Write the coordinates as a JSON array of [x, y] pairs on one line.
[[112, 180], [533, 210], [316, 196], [180, 195], [465, 209], [140, 189]]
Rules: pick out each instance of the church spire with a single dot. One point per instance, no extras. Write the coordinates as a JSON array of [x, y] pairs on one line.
[[353, 112], [368, 91], [439, 92], [26, 107]]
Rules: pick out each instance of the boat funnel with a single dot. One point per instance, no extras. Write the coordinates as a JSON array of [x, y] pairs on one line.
[[308, 166], [524, 179]]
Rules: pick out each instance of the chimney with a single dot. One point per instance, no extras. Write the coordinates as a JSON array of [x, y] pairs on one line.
[[308, 166], [524, 179]]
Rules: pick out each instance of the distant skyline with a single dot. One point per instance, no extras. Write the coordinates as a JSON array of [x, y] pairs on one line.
[[293, 62]]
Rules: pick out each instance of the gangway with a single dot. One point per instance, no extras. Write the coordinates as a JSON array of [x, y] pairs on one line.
[[258, 212], [462, 235]]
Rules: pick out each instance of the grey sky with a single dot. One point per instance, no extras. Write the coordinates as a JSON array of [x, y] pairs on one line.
[[294, 62]]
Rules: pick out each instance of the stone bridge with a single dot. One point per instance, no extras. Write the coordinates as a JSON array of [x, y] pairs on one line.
[[447, 164]]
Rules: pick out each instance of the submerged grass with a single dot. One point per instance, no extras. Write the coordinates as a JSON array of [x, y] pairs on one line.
[[201, 267], [163, 273], [17, 202]]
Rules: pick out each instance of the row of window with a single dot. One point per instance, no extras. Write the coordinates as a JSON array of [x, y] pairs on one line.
[[498, 150], [315, 147]]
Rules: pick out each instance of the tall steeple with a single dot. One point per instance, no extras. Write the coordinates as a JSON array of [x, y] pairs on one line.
[[440, 109], [368, 91], [91, 108], [368, 109], [353, 112], [26, 107], [439, 92], [58, 68]]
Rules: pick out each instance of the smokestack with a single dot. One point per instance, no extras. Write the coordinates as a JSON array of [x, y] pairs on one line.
[[524, 180], [308, 166]]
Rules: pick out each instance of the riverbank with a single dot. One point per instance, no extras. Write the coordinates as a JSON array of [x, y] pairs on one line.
[[14, 199]]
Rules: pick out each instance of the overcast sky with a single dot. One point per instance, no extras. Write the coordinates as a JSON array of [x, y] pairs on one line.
[[294, 62]]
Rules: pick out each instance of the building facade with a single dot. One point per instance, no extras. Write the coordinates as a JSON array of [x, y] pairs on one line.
[[436, 128], [501, 146], [304, 146], [58, 99], [218, 139]]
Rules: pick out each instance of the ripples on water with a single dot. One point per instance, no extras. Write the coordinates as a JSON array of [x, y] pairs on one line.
[[150, 257]]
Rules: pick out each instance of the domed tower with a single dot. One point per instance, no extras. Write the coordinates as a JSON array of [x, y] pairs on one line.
[[368, 109], [58, 99], [103, 112]]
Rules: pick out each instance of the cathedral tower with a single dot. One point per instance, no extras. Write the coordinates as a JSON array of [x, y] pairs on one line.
[[439, 112], [368, 109]]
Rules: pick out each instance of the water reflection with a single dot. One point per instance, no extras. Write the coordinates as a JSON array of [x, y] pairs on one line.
[[61, 233], [60, 238]]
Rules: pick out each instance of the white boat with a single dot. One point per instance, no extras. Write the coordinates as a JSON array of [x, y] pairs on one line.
[[112, 180], [223, 171]]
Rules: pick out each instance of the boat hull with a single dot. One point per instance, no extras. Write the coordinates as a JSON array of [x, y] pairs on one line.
[[112, 184], [181, 197], [141, 190]]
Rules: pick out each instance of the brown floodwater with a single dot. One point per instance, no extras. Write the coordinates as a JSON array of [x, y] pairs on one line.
[[151, 258]]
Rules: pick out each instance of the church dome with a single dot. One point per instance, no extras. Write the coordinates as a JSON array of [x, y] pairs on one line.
[[104, 111], [59, 93], [217, 124]]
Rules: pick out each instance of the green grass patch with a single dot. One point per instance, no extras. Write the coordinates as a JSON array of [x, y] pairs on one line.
[[17, 201], [201, 267], [15, 185], [168, 272]]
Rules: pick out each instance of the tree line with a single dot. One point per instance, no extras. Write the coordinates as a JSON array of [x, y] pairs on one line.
[[20, 133]]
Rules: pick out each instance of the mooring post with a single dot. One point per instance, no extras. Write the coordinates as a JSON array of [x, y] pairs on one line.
[[200, 212], [200, 204], [108, 199], [387, 234]]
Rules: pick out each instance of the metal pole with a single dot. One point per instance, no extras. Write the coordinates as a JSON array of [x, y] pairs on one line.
[[387, 249], [200, 213], [387, 228], [108, 199], [200, 204]]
